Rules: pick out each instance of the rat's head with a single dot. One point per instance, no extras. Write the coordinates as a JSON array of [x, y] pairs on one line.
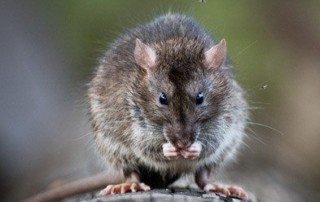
[[183, 87]]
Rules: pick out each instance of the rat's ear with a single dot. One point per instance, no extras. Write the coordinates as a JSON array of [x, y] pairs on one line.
[[144, 55], [215, 56]]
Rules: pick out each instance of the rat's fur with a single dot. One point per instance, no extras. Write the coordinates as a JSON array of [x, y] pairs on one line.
[[129, 124]]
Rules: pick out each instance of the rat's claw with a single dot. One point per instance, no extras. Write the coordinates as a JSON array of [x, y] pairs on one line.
[[193, 151], [168, 147], [144, 187], [169, 151], [124, 188], [226, 190], [217, 188], [106, 191], [237, 192]]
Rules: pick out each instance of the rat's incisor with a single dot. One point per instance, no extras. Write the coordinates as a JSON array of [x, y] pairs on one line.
[[164, 103]]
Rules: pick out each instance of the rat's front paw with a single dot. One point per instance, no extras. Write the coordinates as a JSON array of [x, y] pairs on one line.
[[226, 190], [193, 151], [169, 151], [124, 188]]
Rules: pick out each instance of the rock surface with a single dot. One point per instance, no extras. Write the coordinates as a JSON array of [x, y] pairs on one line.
[[158, 195]]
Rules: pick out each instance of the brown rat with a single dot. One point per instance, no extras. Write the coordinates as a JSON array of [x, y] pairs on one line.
[[164, 103]]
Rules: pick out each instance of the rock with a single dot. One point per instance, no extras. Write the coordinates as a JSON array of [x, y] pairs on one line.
[[159, 195]]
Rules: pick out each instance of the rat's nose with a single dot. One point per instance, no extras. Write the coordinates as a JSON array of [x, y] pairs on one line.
[[182, 144]]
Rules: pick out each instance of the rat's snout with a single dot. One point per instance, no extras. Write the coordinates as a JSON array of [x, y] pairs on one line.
[[180, 145], [181, 137]]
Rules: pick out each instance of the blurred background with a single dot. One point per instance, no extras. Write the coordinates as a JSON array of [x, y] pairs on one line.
[[49, 49]]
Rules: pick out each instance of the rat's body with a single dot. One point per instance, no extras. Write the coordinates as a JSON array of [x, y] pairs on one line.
[[164, 103]]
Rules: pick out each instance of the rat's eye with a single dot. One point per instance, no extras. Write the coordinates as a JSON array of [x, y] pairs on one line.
[[199, 98], [163, 99]]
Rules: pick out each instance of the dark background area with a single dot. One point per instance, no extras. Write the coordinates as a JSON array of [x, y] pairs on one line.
[[48, 51]]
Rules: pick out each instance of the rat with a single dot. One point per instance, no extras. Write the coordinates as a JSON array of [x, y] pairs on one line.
[[164, 103]]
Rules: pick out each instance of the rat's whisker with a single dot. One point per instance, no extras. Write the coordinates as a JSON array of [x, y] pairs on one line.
[[255, 136], [266, 126], [206, 142], [246, 145]]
